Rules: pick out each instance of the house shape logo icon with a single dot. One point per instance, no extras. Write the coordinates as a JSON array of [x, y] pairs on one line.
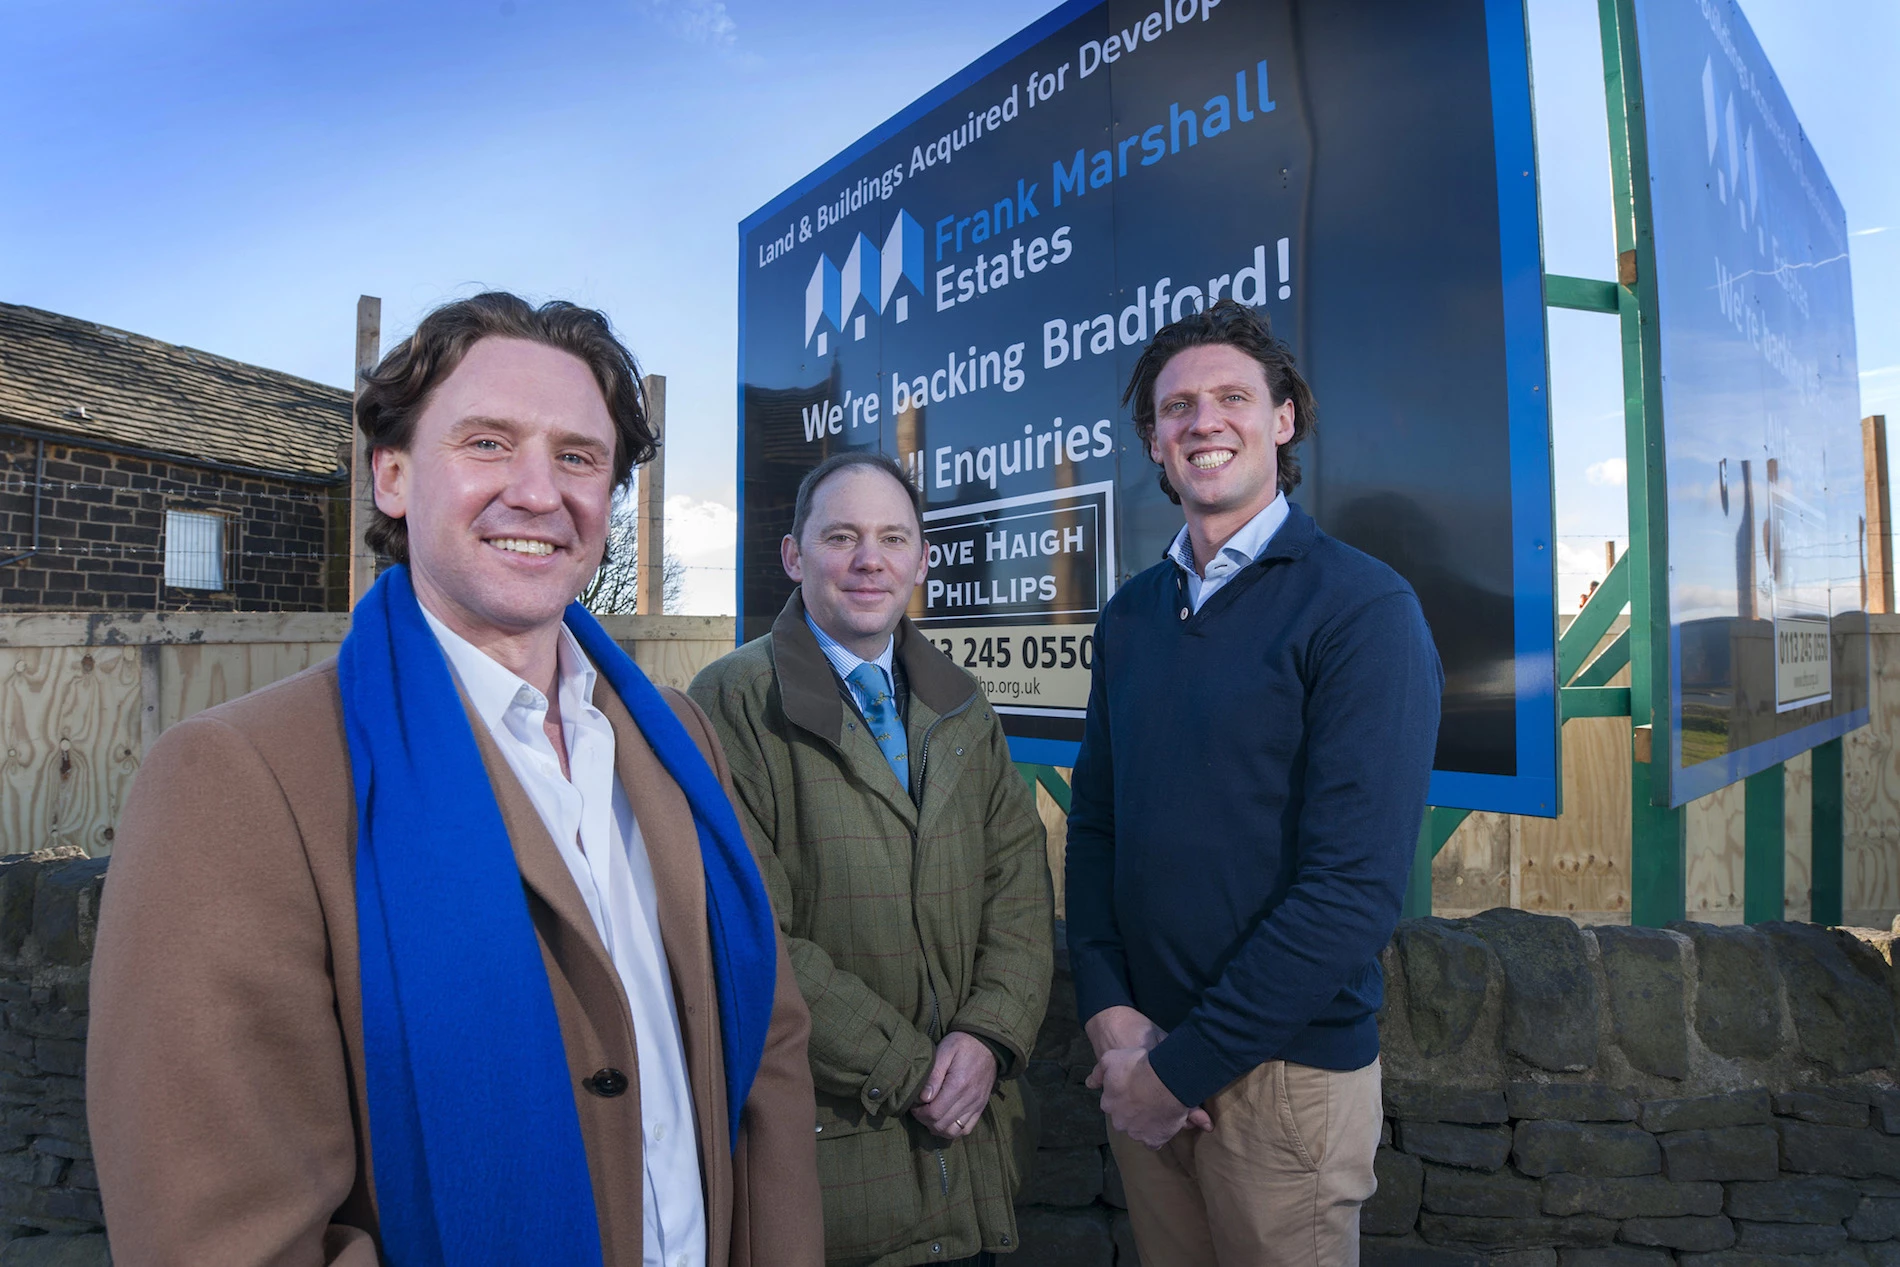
[[837, 298], [1741, 156]]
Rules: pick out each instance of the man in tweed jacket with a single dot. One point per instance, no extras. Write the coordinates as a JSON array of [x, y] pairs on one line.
[[909, 878]]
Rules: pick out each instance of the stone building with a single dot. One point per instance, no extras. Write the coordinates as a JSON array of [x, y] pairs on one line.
[[140, 476]]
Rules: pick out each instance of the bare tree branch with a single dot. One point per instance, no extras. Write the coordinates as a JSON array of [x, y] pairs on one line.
[[614, 590]]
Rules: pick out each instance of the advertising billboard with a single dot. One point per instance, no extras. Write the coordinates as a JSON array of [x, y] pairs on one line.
[[967, 288], [1761, 408]]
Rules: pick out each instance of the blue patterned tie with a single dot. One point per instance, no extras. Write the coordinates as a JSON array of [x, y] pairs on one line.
[[880, 712]]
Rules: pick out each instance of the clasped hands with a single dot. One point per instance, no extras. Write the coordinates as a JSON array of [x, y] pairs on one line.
[[1133, 1097], [958, 1089]]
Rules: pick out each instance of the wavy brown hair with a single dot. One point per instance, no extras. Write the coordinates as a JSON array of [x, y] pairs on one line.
[[1234, 325], [398, 389]]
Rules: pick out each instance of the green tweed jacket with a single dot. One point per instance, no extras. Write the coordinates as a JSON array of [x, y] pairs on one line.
[[905, 919]]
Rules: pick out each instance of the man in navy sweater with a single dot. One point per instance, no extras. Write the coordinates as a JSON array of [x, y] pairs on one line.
[[1260, 732]]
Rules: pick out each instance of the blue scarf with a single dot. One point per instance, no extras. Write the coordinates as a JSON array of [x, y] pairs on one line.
[[475, 1142]]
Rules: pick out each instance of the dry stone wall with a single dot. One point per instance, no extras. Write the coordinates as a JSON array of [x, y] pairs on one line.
[[1555, 1096], [1560, 1096], [49, 1195]]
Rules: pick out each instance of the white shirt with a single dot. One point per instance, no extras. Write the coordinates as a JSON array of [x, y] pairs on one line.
[[593, 826], [1241, 549], [846, 662]]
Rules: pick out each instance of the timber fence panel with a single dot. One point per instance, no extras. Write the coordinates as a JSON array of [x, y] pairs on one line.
[[70, 717], [84, 695]]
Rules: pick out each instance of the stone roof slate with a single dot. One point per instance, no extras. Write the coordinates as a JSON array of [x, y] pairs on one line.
[[89, 381]]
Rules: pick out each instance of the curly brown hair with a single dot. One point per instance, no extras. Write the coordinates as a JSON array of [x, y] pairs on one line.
[[398, 389], [1234, 325]]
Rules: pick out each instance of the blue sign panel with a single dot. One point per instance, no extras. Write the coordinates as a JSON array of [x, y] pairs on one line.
[[1761, 408], [968, 287]]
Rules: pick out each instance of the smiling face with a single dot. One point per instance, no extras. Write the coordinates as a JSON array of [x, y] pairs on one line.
[[1217, 435], [505, 488], [861, 556]]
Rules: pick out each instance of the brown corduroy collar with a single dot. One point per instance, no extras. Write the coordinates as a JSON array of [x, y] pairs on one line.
[[809, 689]]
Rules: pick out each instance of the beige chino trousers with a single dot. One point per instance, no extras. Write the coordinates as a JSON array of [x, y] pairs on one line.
[[1278, 1182]]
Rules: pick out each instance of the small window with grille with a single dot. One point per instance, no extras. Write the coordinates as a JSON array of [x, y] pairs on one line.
[[194, 550]]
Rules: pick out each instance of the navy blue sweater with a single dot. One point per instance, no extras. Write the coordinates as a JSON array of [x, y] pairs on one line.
[[1246, 804]]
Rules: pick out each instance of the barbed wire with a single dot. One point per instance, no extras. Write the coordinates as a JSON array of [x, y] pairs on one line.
[[16, 478], [128, 550], [113, 550], [18, 487]]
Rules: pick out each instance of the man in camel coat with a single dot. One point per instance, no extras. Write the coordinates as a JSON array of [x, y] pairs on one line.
[[280, 1072]]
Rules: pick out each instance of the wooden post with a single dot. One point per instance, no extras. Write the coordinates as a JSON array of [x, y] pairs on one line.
[[1873, 448], [1609, 556], [369, 350], [1514, 898], [650, 530]]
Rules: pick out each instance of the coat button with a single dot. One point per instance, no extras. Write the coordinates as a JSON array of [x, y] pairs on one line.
[[1184, 613], [877, 1093], [606, 1083], [1006, 1240], [936, 1247]]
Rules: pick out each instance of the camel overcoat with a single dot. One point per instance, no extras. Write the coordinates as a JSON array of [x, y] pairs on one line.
[[225, 1073]]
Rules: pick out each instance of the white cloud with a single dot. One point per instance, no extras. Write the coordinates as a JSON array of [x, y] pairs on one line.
[[1580, 561], [718, 520], [1578, 564], [1867, 233], [696, 21], [1882, 372], [1613, 471], [703, 536]]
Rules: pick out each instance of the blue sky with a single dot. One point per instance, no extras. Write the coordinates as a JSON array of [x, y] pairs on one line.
[[232, 175]]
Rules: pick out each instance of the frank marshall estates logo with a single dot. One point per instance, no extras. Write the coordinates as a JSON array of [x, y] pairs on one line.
[[870, 280]]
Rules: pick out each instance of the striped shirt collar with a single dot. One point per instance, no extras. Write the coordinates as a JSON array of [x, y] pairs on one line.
[[844, 660]]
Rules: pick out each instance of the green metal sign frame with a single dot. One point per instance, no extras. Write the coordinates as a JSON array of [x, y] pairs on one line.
[[1658, 862]]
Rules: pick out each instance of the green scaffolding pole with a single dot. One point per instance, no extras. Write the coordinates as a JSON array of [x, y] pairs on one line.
[[1048, 779], [1764, 851], [1658, 867], [1828, 821]]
